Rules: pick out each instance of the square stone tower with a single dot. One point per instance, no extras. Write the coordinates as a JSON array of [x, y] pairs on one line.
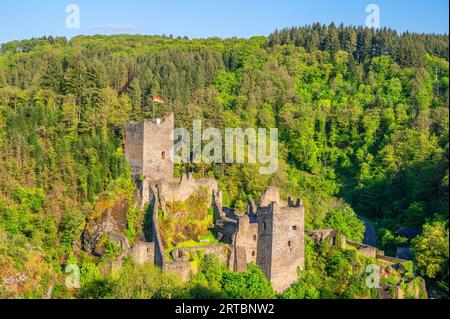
[[273, 238], [148, 148], [280, 252]]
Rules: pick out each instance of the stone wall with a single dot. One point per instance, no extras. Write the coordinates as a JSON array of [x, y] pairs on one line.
[[159, 254], [180, 268], [182, 190], [391, 260], [321, 235], [143, 252], [265, 239], [245, 243], [220, 250], [333, 237], [134, 147], [176, 191], [365, 250]]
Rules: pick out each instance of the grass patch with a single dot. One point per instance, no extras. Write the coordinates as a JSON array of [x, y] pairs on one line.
[[189, 223]]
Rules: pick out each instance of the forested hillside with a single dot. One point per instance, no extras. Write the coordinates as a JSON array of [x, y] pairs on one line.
[[363, 118]]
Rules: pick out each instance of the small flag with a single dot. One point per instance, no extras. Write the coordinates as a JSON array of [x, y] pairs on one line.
[[157, 99]]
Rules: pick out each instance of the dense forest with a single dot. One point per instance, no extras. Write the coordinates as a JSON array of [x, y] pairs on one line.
[[363, 119]]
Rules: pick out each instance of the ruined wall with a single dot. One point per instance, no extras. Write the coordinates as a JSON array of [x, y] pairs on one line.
[[245, 243], [363, 249], [158, 252], [181, 268], [271, 195], [134, 141], [334, 237], [143, 252], [182, 190], [265, 239], [220, 250], [326, 235]]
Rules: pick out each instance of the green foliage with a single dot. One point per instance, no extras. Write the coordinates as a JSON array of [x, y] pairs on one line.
[[187, 223], [432, 250], [217, 281], [143, 282], [131, 282], [251, 284], [389, 242], [331, 273], [134, 223], [307, 287], [409, 49], [97, 289], [362, 115], [345, 220]]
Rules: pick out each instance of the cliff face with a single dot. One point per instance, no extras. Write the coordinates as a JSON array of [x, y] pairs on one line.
[[107, 227]]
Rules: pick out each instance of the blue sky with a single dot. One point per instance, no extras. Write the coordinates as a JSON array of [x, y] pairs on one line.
[[201, 18]]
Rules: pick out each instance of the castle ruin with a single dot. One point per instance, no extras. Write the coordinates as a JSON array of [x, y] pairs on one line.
[[270, 234]]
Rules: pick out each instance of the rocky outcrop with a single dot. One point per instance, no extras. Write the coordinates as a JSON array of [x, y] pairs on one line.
[[108, 226]]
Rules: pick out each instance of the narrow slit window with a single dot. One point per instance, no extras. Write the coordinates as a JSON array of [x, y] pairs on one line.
[[163, 155]]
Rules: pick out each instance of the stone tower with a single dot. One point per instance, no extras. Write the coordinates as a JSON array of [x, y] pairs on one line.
[[280, 251], [273, 238], [148, 147]]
